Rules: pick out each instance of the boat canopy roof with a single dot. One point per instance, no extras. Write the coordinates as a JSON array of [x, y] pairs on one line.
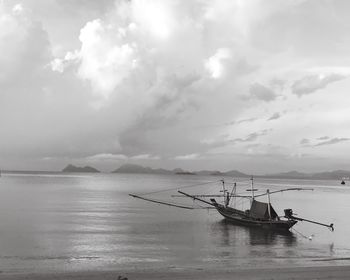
[[260, 210]]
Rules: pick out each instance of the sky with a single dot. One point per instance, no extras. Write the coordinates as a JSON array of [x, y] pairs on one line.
[[256, 86]]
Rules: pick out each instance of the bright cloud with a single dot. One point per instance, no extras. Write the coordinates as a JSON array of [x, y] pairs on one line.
[[105, 59], [156, 17], [214, 64]]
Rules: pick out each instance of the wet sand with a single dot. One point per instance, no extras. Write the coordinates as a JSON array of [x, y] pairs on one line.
[[327, 272]]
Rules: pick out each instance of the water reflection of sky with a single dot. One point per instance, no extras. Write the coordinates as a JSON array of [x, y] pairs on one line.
[[89, 222]]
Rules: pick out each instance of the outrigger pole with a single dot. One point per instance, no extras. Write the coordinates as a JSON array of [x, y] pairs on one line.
[[249, 196], [289, 215], [161, 202], [284, 190]]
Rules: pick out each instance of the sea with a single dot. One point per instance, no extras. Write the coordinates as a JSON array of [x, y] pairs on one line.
[[58, 222]]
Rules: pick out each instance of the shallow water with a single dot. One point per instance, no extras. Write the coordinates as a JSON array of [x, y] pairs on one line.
[[58, 222]]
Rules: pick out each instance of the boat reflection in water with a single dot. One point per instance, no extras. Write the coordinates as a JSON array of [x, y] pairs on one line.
[[231, 234], [238, 246]]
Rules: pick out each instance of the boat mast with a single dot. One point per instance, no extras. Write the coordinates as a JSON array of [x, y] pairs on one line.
[[223, 187], [233, 192], [268, 201], [226, 198], [252, 188]]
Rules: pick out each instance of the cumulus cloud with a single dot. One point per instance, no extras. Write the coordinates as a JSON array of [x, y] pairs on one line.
[[261, 92], [312, 83], [59, 65], [105, 59]]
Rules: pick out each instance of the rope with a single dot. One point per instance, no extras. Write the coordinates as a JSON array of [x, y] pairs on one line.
[[302, 235], [184, 187]]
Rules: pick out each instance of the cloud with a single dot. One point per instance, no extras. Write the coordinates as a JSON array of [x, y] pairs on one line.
[[251, 137], [155, 17], [275, 116], [59, 65], [187, 157], [332, 141], [107, 157], [24, 47], [246, 120], [261, 92], [17, 9], [305, 141], [225, 140], [214, 64], [105, 59], [120, 157], [312, 83], [145, 157]]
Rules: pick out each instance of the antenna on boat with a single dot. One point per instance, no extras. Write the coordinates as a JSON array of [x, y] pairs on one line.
[[225, 194], [223, 186]]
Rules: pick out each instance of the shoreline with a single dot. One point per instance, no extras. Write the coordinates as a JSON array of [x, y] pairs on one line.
[[306, 273]]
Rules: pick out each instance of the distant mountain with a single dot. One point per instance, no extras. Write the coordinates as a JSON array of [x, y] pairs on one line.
[[73, 168], [289, 175], [185, 173], [232, 173], [331, 175], [210, 173], [178, 170], [328, 175], [235, 173], [134, 168]]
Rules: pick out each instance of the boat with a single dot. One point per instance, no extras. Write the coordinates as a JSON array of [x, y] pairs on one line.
[[342, 182], [260, 215]]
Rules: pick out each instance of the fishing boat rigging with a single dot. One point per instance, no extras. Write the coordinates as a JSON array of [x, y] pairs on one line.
[[260, 214]]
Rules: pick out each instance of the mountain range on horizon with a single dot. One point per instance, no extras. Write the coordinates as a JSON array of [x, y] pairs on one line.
[[73, 168], [139, 169]]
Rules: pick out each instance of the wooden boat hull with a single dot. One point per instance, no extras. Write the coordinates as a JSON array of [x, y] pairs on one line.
[[239, 219]]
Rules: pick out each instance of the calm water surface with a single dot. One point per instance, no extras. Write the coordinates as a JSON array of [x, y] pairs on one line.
[[57, 222]]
